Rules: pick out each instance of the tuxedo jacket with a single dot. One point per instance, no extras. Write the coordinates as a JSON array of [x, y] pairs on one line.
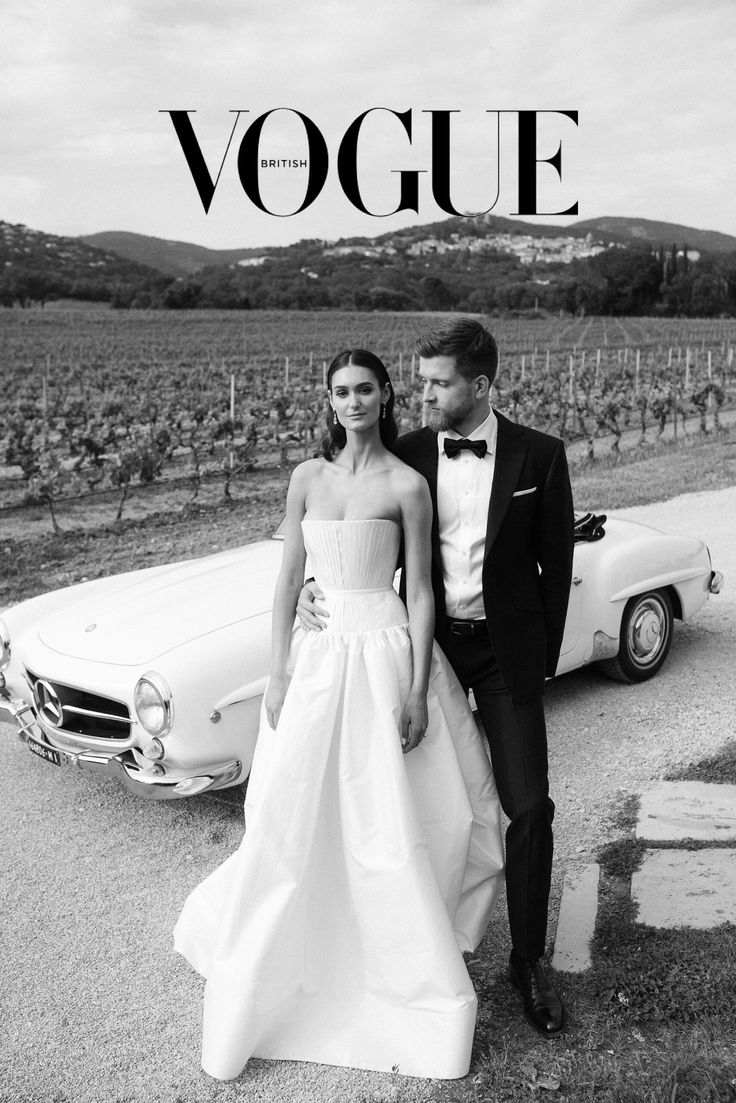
[[527, 567]]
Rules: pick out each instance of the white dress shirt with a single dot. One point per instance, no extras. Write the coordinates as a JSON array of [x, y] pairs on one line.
[[463, 497]]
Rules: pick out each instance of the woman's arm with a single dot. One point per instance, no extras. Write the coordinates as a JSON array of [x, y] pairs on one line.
[[288, 585], [416, 517]]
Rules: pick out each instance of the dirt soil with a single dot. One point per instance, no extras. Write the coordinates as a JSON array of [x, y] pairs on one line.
[[159, 525]]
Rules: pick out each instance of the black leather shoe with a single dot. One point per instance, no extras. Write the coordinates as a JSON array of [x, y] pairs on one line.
[[542, 1006]]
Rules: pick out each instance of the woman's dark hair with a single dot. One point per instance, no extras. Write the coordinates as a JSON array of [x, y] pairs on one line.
[[336, 437]]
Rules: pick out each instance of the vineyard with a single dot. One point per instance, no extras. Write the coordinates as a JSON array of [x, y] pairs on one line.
[[96, 400]]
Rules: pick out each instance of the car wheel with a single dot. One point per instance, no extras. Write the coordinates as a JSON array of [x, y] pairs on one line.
[[646, 635]]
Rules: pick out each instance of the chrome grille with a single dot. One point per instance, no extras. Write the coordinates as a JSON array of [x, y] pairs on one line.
[[79, 712]]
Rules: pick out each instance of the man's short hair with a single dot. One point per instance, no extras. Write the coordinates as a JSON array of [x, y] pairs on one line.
[[472, 346]]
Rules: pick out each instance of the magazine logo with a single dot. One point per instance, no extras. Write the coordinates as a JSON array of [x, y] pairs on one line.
[[251, 162]]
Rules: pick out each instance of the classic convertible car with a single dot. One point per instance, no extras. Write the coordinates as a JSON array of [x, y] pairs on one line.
[[156, 676]]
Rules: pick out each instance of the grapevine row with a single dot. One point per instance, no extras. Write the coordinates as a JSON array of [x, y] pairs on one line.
[[100, 399]]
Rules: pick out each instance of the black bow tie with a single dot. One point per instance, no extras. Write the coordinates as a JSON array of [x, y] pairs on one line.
[[452, 447]]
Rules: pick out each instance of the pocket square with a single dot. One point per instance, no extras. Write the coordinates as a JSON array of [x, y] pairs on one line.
[[520, 493]]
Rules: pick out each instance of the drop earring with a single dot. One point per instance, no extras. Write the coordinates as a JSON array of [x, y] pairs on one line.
[[334, 418], [383, 412]]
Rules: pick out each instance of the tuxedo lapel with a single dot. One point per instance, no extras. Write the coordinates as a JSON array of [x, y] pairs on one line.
[[510, 451]]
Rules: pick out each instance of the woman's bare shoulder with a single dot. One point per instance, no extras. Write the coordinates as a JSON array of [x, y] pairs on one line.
[[408, 481], [307, 472]]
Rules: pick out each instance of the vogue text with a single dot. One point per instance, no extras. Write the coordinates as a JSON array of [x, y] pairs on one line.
[[250, 160]]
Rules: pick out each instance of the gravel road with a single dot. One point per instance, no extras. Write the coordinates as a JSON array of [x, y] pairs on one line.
[[95, 1004]]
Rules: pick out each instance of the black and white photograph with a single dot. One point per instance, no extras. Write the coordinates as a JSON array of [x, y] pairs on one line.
[[367, 529]]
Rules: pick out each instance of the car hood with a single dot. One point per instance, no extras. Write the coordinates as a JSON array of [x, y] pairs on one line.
[[152, 612]]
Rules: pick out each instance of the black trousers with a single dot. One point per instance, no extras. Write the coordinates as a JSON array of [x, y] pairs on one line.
[[517, 737]]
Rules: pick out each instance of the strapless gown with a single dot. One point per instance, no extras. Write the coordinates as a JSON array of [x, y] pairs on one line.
[[335, 932]]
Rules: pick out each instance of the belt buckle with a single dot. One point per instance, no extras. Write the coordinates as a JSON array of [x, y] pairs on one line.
[[463, 627]]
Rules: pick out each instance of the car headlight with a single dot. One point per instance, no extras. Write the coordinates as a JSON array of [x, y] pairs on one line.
[[153, 704], [4, 645]]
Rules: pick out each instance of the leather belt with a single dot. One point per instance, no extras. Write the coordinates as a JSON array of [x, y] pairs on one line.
[[467, 627]]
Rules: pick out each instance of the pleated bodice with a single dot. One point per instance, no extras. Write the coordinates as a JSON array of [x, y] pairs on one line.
[[354, 563]]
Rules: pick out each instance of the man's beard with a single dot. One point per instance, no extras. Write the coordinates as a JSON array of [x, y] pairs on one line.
[[439, 420]]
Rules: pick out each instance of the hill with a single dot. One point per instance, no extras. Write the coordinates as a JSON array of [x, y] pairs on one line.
[[179, 258], [35, 266], [624, 231], [174, 258]]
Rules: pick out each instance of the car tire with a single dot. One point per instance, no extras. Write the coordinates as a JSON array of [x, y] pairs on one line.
[[645, 638]]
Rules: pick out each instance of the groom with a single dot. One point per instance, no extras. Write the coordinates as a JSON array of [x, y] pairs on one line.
[[502, 544]]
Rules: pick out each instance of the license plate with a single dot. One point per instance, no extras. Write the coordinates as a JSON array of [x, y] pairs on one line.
[[47, 753]]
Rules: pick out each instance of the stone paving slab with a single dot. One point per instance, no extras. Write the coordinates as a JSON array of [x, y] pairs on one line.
[[688, 810], [576, 921], [686, 888]]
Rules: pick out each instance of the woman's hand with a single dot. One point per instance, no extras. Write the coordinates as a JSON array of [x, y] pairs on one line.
[[414, 720], [274, 698]]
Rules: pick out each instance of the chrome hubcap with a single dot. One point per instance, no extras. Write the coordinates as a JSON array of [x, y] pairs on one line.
[[647, 631]]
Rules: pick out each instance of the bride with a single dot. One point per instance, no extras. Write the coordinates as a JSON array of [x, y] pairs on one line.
[[372, 853]]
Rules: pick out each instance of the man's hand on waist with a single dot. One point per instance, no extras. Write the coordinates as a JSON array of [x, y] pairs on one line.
[[311, 616]]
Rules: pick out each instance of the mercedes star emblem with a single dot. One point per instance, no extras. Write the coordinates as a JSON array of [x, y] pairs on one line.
[[49, 705]]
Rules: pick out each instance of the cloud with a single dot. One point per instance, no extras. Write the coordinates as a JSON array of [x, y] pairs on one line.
[[21, 197], [81, 94]]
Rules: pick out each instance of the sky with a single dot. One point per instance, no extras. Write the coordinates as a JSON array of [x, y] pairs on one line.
[[87, 144]]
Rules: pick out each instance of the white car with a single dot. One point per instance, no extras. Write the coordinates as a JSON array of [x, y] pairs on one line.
[[156, 676]]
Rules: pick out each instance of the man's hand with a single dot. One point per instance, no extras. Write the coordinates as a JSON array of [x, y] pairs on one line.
[[414, 721], [311, 615]]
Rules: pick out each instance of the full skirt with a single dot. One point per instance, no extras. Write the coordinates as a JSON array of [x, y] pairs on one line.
[[335, 932]]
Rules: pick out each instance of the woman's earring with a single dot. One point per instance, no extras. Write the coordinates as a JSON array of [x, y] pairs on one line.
[[334, 417], [383, 411]]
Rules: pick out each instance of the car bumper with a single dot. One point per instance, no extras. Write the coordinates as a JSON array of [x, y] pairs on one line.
[[150, 786]]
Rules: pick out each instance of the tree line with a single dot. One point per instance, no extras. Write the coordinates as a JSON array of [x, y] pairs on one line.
[[619, 281]]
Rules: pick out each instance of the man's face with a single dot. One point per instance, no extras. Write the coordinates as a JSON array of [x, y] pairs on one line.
[[449, 398]]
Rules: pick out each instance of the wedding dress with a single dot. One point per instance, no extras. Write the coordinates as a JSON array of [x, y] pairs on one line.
[[335, 932]]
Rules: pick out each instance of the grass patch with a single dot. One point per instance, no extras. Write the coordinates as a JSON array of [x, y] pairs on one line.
[[640, 1030], [647, 974], [638, 479], [718, 768], [624, 1068], [626, 812], [618, 860], [622, 857]]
